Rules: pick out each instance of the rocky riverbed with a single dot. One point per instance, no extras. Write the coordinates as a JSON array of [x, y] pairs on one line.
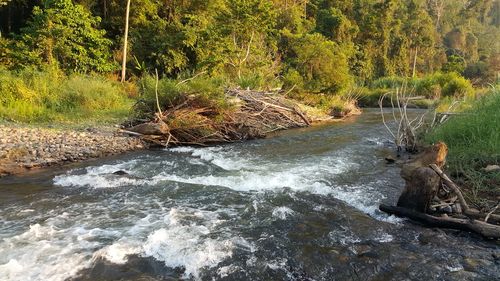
[[23, 148]]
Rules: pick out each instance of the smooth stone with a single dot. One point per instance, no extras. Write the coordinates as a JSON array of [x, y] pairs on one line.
[[492, 168]]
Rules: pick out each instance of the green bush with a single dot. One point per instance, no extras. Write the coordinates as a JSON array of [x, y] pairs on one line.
[[43, 96], [457, 86], [253, 81], [322, 63], [370, 97], [64, 34], [428, 87]]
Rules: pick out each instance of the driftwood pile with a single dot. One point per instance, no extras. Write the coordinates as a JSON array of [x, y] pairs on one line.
[[432, 198], [252, 114]]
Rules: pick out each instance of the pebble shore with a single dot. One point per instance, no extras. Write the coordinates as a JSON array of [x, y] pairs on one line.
[[24, 148]]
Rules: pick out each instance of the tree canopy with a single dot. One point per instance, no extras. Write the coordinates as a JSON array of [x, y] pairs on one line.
[[323, 45]]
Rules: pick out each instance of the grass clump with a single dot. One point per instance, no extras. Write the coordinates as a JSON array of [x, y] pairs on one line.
[[34, 96], [432, 87], [201, 93], [473, 139], [338, 105]]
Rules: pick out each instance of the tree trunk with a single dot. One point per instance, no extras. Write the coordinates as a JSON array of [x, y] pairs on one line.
[[414, 62], [125, 41]]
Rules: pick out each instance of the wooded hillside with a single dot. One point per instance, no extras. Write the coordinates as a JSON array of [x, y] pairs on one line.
[[319, 46]]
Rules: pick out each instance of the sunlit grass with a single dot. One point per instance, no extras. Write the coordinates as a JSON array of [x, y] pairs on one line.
[[473, 139], [33, 96]]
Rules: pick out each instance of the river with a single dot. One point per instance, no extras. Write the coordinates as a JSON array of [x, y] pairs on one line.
[[301, 205]]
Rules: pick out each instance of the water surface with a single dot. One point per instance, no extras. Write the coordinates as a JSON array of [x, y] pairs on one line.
[[301, 205]]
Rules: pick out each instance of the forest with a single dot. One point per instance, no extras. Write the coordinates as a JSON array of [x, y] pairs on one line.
[[319, 46]]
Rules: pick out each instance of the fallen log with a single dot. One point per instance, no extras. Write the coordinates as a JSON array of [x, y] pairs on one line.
[[485, 229]]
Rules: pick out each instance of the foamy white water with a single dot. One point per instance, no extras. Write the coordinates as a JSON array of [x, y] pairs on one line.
[[270, 209], [167, 238], [178, 238]]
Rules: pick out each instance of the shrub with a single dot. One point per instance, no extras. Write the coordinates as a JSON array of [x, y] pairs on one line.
[[292, 78], [370, 97], [479, 70], [253, 81], [389, 82], [431, 86], [428, 87], [457, 86], [42, 96], [322, 64]]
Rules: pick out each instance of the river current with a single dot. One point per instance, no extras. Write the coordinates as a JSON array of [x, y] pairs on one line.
[[301, 205]]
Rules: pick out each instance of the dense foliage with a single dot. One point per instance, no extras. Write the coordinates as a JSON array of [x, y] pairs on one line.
[[63, 34], [318, 46]]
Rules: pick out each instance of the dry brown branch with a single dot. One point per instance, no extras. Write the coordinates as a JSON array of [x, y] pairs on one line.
[[491, 212], [452, 185], [254, 115], [405, 134]]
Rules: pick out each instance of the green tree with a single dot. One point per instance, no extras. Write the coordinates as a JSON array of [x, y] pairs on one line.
[[455, 63], [321, 63], [66, 35], [242, 39]]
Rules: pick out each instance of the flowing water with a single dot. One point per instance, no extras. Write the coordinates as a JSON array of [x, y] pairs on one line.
[[301, 205]]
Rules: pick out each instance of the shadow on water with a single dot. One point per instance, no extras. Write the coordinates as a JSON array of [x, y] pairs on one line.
[[301, 205]]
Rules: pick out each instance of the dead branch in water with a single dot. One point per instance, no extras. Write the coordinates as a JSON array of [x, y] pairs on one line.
[[405, 135], [491, 212]]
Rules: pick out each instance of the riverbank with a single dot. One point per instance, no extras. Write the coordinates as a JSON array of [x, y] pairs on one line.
[[473, 139], [24, 148]]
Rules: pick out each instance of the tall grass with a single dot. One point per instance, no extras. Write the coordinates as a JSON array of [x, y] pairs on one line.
[[49, 96], [473, 139]]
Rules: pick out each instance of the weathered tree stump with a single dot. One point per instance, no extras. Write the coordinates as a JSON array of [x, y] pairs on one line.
[[422, 182], [421, 187]]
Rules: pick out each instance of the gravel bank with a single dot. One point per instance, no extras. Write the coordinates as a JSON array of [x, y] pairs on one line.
[[24, 148]]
